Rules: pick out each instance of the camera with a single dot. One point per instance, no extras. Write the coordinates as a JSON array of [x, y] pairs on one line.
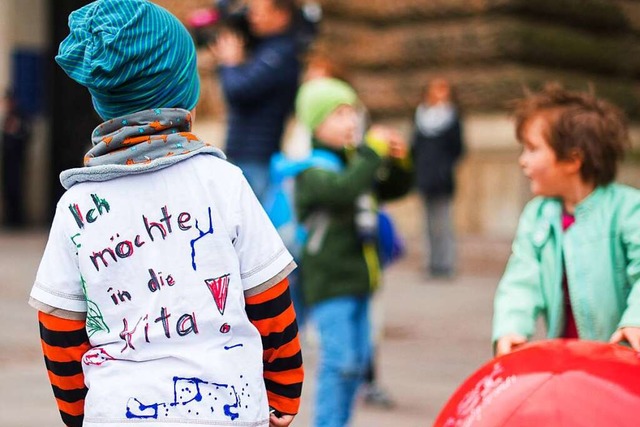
[[229, 15]]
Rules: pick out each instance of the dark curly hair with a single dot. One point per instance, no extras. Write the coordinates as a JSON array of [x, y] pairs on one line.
[[578, 122]]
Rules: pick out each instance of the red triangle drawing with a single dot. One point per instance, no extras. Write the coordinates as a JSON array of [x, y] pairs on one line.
[[219, 287]]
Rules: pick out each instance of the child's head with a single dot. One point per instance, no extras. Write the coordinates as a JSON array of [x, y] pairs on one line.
[[438, 91], [269, 17], [319, 65], [566, 132], [327, 107], [132, 55]]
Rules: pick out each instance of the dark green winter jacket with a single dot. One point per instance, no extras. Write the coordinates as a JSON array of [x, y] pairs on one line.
[[338, 263]]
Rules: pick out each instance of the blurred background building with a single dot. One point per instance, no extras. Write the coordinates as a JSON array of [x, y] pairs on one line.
[[489, 49]]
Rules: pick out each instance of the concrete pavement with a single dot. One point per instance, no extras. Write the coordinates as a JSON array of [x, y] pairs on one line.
[[435, 334]]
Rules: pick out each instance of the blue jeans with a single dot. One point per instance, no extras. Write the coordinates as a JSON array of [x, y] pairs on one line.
[[257, 173], [345, 349]]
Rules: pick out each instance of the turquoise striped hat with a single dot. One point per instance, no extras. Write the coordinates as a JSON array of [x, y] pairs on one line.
[[132, 55]]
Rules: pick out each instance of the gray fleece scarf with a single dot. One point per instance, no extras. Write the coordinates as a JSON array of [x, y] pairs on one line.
[[137, 143]]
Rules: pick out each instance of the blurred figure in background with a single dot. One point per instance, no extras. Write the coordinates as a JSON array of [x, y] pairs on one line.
[[16, 133], [297, 148], [320, 65], [437, 146], [576, 254], [340, 263], [259, 86]]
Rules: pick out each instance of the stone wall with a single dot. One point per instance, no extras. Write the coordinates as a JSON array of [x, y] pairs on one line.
[[490, 50]]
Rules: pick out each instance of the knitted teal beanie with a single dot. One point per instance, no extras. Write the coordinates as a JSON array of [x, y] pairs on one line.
[[132, 55], [318, 98]]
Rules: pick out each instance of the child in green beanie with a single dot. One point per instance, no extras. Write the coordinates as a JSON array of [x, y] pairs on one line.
[[162, 293], [340, 265]]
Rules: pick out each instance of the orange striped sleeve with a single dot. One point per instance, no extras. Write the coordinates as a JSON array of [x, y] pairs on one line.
[[285, 405], [64, 342], [279, 323], [72, 382], [287, 350], [291, 376], [70, 408], [272, 313], [56, 355], [271, 293]]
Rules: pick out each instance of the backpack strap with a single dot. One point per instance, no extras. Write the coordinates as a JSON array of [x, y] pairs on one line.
[[279, 199], [282, 167]]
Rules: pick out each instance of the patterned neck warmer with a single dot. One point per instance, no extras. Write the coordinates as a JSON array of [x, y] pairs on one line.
[[137, 143]]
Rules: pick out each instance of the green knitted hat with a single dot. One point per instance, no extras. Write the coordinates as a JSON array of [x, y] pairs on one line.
[[318, 98]]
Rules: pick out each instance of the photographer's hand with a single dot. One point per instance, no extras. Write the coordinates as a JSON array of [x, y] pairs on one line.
[[229, 49]]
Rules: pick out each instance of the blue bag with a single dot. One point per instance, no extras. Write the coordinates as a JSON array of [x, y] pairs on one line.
[[390, 245], [279, 199]]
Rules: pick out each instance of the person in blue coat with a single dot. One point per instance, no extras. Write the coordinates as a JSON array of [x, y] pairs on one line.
[[259, 86]]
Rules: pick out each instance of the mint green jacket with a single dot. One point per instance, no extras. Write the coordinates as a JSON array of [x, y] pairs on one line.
[[601, 252]]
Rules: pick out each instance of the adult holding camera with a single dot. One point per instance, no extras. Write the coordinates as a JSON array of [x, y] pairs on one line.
[[259, 86]]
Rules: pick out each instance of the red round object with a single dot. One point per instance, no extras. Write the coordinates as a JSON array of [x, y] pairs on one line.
[[565, 383]]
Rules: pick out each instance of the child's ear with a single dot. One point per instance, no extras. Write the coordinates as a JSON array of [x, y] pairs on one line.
[[574, 160]]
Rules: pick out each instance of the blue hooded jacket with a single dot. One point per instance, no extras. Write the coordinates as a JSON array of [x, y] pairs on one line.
[[260, 95]]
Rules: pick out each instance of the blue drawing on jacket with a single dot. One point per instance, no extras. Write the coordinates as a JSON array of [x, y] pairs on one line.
[[197, 397]]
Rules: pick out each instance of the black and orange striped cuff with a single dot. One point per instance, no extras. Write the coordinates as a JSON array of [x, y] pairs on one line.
[[272, 313], [64, 342]]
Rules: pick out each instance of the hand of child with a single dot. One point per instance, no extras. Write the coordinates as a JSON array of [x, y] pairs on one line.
[[391, 142], [281, 421], [630, 334], [508, 343], [398, 148], [377, 138]]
